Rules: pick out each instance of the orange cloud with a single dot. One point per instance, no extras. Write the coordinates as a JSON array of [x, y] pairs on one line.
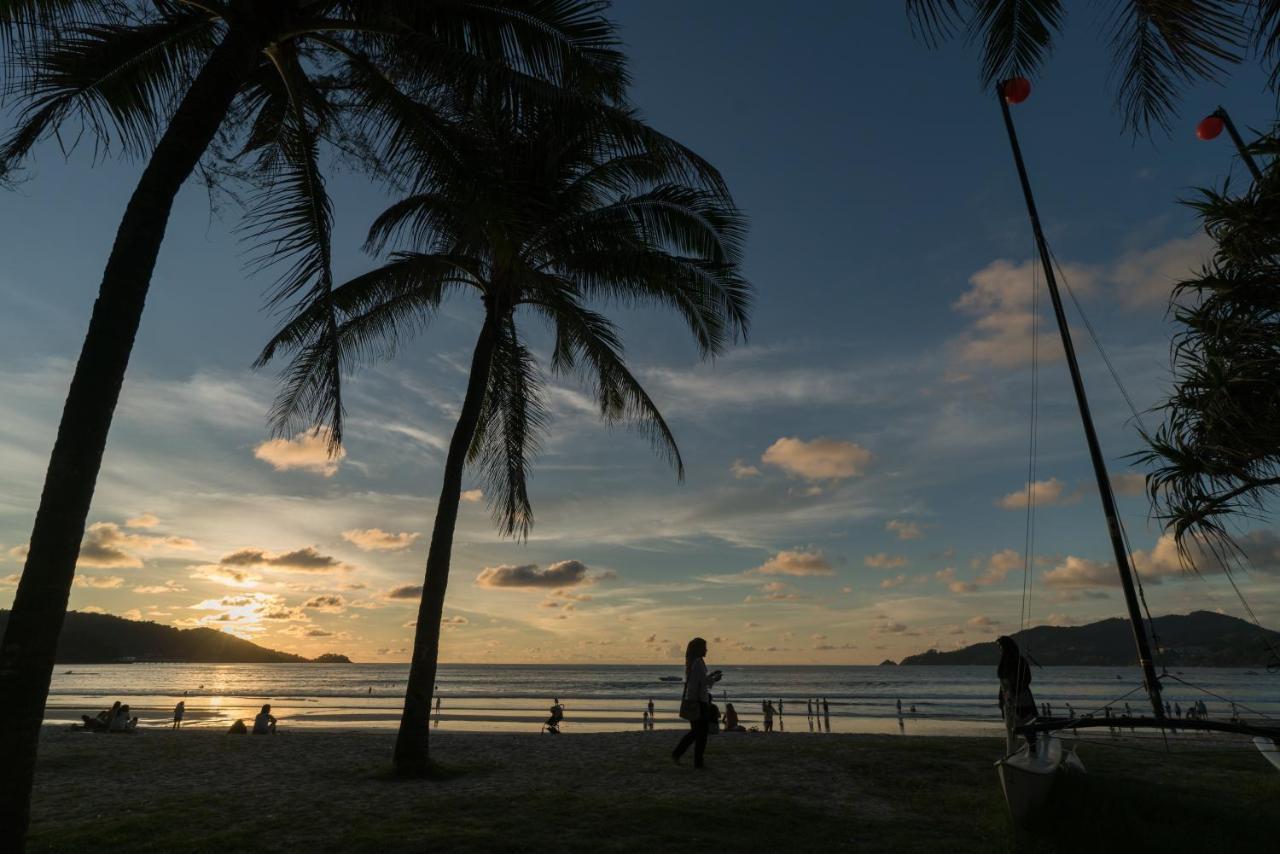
[[376, 539], [818, 459], [309, 451], [796, 562]]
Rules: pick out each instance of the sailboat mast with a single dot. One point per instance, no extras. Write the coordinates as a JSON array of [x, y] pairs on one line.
[[1091, 435]]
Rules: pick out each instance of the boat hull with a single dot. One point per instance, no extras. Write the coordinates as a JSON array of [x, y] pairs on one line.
[[1027, 777], [1267, 747]]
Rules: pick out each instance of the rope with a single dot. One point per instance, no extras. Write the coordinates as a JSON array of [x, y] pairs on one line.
[[1249, 709]]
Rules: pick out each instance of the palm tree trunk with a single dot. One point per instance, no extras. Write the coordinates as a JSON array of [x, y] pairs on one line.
[[412, 754], [31, 638]]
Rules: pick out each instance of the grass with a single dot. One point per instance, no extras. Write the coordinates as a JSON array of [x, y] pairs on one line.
[[203, 791]]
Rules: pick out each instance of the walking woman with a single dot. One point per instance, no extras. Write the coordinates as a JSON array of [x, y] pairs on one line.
[[695, 706]]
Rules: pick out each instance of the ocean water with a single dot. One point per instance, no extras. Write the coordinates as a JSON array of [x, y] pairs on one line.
[[946, 700]]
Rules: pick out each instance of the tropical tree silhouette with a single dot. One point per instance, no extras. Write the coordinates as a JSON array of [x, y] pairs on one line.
[[1160, 48], [542, 220], [266, 82], [1217, 453]]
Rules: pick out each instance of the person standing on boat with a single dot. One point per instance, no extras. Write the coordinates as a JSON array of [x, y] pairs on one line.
[[1017, 705]]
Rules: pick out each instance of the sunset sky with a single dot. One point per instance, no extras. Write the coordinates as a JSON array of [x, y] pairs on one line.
[[855, 473]]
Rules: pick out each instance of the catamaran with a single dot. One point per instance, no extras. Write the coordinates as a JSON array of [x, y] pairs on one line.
[[1027, 773]]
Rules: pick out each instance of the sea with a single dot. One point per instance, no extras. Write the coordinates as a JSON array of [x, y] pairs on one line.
[[952, 700]]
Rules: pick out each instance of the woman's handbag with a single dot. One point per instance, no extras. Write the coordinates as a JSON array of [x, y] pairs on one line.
[[690, 710]]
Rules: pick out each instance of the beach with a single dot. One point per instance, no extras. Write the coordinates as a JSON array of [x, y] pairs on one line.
[[314, 790]]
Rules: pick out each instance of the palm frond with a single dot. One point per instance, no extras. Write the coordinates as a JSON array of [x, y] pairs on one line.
[[1162, 46], [588, 343], [934, 21], [120, 83], [511, 421], [1016, 35]]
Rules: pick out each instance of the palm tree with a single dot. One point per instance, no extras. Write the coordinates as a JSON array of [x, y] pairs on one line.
[[269, 81], [544, 218], [1217, 454], [1159, 48]]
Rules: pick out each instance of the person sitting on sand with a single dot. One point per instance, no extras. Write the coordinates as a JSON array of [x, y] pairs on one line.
[[178, 712], [731, 719], [264, 723], [1017, 705], [238, 728], [122, 722]]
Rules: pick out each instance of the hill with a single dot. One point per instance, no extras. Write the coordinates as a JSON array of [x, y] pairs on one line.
[[103, 638], [1198, 639]]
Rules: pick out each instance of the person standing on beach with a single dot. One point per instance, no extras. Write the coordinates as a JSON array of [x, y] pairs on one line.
[[695, 705], [651, 709], [826, 713], [644, 724], [178, 712], [781, 726], [768, 715], [437, 711], [809, 713]]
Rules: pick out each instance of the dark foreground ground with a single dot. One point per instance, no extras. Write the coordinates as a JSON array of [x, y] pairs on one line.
[[331, 791]]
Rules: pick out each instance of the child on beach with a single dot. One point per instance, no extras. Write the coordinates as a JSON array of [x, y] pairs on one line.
[[264, 723]]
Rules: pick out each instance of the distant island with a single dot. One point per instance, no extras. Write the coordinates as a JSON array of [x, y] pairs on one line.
[[103, 639], [1198, 639]]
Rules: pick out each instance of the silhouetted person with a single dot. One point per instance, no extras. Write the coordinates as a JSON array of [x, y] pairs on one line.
[[731, 719], [122, 721], [697, 690], [1177, 709], [768, 716], [1071, 713], [826, 713], [178, 712], [899, 707], [437, 710], [644, 724], [552, 724], [809, 714], [781, 724], [238, 728], [650, 708], [1017, 705], [264, 723]]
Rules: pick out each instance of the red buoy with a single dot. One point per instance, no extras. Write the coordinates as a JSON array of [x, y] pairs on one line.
[[1209, 127], [1016, 89]]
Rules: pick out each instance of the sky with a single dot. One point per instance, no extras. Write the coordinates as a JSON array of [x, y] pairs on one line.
[[855, 473]]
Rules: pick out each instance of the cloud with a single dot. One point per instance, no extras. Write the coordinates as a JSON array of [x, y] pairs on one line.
[[983, 622], [19, 552], [795, 562], [100, 581], [92, 609], [904, 530], [884, 561], [741, 470], [249, 610], [132, 614], [329, 603], [1000, 301], [168, 587], [1082, 572], [376, 539], [10, 580], [1045, 493], [405, 591], [565, 573], [775, 591], [309, 451], [107, 546], [1145, 279], [818, 459], [1129, 483], [999, 565], [231, 576], [890, 583], [307, 559], [454, 621], [144, 520], [471, 496]]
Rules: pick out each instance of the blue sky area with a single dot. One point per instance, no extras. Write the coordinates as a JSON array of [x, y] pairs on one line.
[[846, 469]]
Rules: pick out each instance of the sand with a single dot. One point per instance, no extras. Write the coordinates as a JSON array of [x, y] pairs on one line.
[[199, 790]]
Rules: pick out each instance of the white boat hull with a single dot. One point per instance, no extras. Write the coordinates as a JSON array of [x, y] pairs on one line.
[[1027, 777], [1267, 747]]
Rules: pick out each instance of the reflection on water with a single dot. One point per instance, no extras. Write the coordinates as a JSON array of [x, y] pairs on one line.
[[948, 700]]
